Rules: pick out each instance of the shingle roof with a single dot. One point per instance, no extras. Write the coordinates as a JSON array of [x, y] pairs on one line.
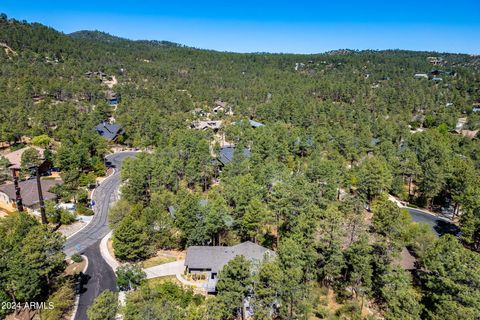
[[29, 192], [214, 258], [15, 157], [227, 153], [108, 130]]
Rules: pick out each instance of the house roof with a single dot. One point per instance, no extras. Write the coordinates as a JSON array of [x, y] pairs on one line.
[[214, 258], [227, 154], [15, 157], [220, 103], [471, 134], [29, 192], [110, 95], [202, 125], [255, 124], [108, 131]]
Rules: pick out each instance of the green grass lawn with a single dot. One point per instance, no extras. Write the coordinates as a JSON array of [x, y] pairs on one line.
[[155, 261], [156, 281]]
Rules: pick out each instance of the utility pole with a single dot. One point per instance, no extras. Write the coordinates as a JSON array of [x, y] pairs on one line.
[[40, 194], [18, 196]]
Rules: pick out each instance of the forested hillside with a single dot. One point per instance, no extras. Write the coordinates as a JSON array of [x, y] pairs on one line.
[[341, 131]]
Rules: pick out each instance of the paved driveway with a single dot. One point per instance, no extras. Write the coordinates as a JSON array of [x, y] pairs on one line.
[[166, 269]]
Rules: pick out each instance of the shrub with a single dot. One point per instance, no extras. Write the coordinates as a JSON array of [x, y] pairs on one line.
[[129, 276], [84, 211], [104, 307], [321, 313], [62, 299], [66, 217], [77, 258], [41, 141]]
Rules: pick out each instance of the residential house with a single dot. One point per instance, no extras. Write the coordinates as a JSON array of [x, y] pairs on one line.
[[215, 125], [212, 259], [460, 125], [227, 155], [15, 157], [28, 192], [420, 76], [112, 98], [220, 106], [470, 134], [109, 131], [436, 60], [253, 123]]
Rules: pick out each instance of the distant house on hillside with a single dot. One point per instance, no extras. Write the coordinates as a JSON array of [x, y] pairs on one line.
[[204, 125], [420, 76], [227, 155], [460, 124], [29, 193], [112, 98], [470, 134], [212, 259], [219, 106], [222, 106], [436, 60], [253, 123], [109, 131]]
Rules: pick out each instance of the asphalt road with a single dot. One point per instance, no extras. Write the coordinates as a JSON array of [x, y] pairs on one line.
[[100, 275], [439, 225]]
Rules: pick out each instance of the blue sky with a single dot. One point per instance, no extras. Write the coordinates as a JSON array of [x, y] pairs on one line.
[[270, 26]]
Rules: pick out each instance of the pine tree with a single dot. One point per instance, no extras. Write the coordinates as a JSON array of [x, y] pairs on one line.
[[130, 240]]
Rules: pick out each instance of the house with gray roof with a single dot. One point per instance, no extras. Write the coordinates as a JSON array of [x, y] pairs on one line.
[[255, 124], [420, 76], [109, 131], [215, 125], [227, 155], [28, 192], [211, 259]]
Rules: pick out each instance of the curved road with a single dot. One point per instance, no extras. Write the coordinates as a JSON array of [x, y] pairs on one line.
[[439, 225], [87, 241]]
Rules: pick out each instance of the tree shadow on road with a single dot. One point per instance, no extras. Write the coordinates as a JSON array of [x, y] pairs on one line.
[[443, 227]]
